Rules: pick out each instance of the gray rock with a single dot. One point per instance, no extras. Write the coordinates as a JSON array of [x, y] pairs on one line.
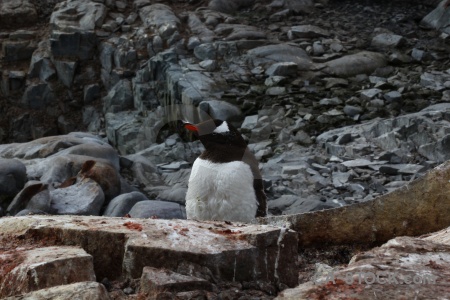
[[220, 109], [173, 166], [200, 30], [318, 49], [229, 6], [311, 203], [193, 42], [438, 19], [279, 205], [160, 17], [175, 194], [122, 204], [393, 96], [209, 65], [307, 31], [66, 71], [418, 54], [370, 93], [360, 162], [158, 209], [40, 202], [196, 86], [13, 175], [341, 179], [352, 111], [83, 198], [38, 96], [119, 98], [330, 101], [81, 45], [91, 92], [299, 6], [205, 51], [282, 69], [293, 170], [433, 81], [280, 53], [274, 81], [79, 15], [125, 58], [276, 91], [41, 66], [249, 123], [437, 151], [18, 50], [106, 56], [27, 212], [17, 13], [360, 63], [233, 32], [22, 199], [334, 82], [387, 40]]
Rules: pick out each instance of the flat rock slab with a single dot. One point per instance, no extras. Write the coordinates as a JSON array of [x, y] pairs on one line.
[[403, 268], [221, 251], [24, 271], [80, 291], [154, 281]]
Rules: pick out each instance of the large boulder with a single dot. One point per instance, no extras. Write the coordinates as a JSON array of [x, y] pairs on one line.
[[17, 13], [439, 18]]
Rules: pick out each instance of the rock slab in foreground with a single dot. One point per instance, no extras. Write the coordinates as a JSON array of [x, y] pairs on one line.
[[220, 252], [25, 271], [403, 268], [80, 291]]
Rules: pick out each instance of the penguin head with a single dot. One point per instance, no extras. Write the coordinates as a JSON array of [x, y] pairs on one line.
[[215, 132]]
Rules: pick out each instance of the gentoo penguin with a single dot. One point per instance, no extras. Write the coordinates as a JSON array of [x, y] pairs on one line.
[[225, 183]]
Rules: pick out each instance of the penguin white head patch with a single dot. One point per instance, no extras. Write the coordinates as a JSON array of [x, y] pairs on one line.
[[222, 128]]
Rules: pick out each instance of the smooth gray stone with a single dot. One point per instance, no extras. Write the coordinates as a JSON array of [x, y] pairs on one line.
[[158, 209], [13, 175], [83, 198], [122, 204]]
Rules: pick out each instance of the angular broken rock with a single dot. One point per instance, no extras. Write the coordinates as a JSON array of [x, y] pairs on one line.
[[403, 266], [154, 281], [24, 271], [219, 251], [86, 290]]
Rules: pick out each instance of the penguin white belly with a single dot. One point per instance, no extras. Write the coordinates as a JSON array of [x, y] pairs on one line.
[[221, 191]]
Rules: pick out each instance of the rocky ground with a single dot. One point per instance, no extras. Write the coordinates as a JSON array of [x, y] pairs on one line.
[[341, 101], [285, 73]]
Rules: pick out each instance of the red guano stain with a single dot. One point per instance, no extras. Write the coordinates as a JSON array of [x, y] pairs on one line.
[[340, 289], [133, 226]]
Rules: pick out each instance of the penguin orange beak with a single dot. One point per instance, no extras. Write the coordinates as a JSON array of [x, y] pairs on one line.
[[191, 127]]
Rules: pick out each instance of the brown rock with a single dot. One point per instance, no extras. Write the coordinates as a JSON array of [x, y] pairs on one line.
[[403, 268], [43, 267], [216, 250], [155, 281], [80, 291]]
